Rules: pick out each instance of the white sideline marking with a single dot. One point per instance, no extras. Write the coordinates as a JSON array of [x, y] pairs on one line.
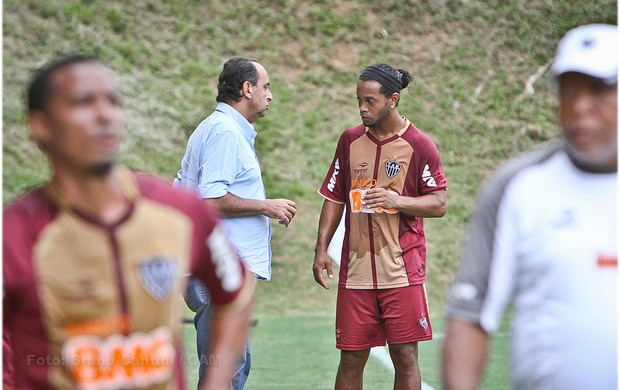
[[383, 355]]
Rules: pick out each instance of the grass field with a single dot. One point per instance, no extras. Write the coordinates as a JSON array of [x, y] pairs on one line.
[[298, 352]]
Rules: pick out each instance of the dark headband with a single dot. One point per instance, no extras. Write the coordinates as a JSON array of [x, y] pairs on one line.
[[390, 82]]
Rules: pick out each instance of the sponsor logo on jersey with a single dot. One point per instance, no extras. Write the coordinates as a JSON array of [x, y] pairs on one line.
[[332, 181], [428, 178], [607, 261], [158, 276], [356, 197], [227, 266], [423, 322], [117, 361], [392, 168], [356, 183], [80, 290], [361, 168], [464, 291], [564, 219], [101, 326]]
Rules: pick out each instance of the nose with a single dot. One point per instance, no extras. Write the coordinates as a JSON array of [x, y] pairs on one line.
[[107, 110], [109, 118], [582, 101]]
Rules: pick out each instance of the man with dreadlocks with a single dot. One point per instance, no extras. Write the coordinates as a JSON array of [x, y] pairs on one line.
[[388, 175]]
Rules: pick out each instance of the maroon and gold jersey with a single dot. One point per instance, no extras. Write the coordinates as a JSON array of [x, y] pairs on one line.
[[94, 306], [382, 248]]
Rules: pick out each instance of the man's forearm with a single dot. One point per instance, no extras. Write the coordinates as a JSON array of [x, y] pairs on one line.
[[432, 205], [328, 223], [230, 205], [464, 355]]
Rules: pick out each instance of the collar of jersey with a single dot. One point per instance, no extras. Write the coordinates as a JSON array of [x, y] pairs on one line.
[[129, 188]]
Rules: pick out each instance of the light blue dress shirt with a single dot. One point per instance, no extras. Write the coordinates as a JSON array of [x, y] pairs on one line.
[[220, 159]]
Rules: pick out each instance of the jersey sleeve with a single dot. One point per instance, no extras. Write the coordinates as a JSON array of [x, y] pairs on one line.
[[432, 176], [8, 370], [216, 263], [485, 275], [471, 286], [334, 185], [22, 222]]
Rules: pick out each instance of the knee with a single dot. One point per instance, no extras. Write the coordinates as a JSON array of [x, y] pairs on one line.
[[404, 358], [353, 360]]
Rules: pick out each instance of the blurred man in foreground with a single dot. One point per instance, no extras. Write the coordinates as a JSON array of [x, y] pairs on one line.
[[544, 237], [95, 260]]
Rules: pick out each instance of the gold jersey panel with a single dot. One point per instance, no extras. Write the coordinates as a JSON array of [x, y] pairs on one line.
[[108, 296], [375, 256]]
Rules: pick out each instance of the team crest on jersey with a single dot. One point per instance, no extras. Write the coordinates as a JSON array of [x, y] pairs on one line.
[[158, 276], [423, 322], [392, 168]]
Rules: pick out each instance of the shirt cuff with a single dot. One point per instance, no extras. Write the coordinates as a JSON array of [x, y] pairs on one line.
[[216, 190]]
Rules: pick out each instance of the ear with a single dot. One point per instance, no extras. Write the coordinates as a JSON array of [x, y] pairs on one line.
[[39, 128], [394, 99], [246, 89]]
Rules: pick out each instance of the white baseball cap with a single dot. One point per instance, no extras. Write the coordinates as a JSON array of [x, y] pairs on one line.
[[590, 49]]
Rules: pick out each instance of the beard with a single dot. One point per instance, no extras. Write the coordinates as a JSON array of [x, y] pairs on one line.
[[381, 117], [102, 168]]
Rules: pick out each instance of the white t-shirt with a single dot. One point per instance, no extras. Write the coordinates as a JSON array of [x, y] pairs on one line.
[[545, 238]]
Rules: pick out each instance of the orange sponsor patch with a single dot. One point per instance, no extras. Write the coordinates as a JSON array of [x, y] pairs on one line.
[[119, 361], [604, 261], [101, 327], [357, 204]]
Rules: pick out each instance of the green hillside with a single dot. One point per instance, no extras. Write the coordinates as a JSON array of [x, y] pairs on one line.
[[482, 92]]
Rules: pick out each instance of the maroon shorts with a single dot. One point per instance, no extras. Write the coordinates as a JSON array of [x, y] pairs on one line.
[[369, 318]]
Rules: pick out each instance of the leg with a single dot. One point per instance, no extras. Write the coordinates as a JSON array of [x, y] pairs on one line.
[[202, 321], [407, 371], [351, 369], [240, 376], [242, 371], [358, 328], [198, 300], [405, 313]]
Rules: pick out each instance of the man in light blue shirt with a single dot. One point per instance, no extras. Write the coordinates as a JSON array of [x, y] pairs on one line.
[[221, 165]]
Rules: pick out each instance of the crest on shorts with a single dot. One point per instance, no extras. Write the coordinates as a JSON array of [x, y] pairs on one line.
[[158, 276], [392, 168], [423, 322]]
